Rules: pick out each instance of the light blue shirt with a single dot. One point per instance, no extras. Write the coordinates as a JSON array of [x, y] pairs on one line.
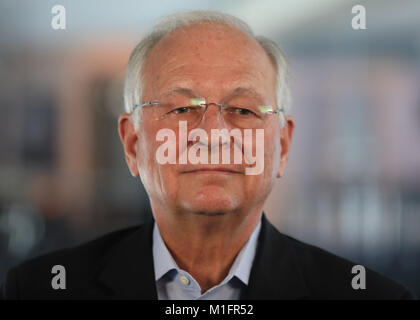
[[173, 283]]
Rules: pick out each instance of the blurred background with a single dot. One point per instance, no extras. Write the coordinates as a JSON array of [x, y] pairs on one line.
[[352, 185]]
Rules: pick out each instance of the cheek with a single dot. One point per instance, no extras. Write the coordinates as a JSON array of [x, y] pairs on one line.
[[272, 152], [145, 151], [271, 162], [158, 179], [146, 162]]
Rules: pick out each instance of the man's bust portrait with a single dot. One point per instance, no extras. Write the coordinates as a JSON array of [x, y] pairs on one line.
[[207, 128]]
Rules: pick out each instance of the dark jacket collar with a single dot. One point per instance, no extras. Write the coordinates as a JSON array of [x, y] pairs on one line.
[[128, 267], [275, 273], [128, 270]]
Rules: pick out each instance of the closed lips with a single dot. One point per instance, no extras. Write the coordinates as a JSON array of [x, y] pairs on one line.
[[213, 169]]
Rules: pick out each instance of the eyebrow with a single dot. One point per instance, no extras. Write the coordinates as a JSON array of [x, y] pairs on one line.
[[245, 90], [180, 90], [192, 94]]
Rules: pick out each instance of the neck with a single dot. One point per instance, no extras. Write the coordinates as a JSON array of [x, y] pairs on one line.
[[206, 246]]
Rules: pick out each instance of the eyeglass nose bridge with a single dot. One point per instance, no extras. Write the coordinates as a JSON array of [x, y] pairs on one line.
[[207, 104]]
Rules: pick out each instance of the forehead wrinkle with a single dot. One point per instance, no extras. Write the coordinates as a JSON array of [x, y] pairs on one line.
[[185, 83], [182, 91], [190, 93], [250, 91], [240, 86], [175, 70], [187, 75]]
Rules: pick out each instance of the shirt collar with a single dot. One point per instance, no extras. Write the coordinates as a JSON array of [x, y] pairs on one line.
[[241, 268]]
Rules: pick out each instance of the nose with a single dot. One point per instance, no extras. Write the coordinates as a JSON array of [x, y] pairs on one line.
[[213, 119]]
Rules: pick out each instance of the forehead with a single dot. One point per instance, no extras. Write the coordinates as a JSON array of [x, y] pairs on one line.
[[206, 56]]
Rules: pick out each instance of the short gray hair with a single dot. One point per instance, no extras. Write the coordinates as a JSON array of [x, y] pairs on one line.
[[134, 76]]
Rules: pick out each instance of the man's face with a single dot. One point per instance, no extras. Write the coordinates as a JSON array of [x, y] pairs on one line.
[[211, 62]]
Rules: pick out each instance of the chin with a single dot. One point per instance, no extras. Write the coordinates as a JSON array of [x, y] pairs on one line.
[[211, 202]]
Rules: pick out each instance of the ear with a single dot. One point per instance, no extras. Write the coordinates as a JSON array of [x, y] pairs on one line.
[[286, 135], [129, 139]]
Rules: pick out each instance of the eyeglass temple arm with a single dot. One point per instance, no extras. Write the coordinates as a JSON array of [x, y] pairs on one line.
[[141, 105], [276, 111], [271, 111]]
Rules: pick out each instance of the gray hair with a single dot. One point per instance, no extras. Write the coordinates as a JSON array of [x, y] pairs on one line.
[[134, 75]]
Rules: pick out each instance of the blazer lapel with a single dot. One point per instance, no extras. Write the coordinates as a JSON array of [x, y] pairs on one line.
[[275, 273], [128, 270]]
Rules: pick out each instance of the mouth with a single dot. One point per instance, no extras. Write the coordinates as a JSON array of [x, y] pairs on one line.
[[213, 170]]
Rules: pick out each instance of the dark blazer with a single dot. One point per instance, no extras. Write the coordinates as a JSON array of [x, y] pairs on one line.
[[120, 266]]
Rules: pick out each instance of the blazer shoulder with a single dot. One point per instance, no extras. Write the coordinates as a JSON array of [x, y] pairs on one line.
[[328, 275], [33, 276]]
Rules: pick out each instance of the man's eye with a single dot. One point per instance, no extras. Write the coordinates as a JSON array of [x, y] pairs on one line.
[[181, 110], [243, 112]]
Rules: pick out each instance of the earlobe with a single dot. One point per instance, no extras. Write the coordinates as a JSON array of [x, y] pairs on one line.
[[129, 139], [283, 162], [281, 168]]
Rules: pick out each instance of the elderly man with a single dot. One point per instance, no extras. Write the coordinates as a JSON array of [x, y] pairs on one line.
[[198, 85]]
